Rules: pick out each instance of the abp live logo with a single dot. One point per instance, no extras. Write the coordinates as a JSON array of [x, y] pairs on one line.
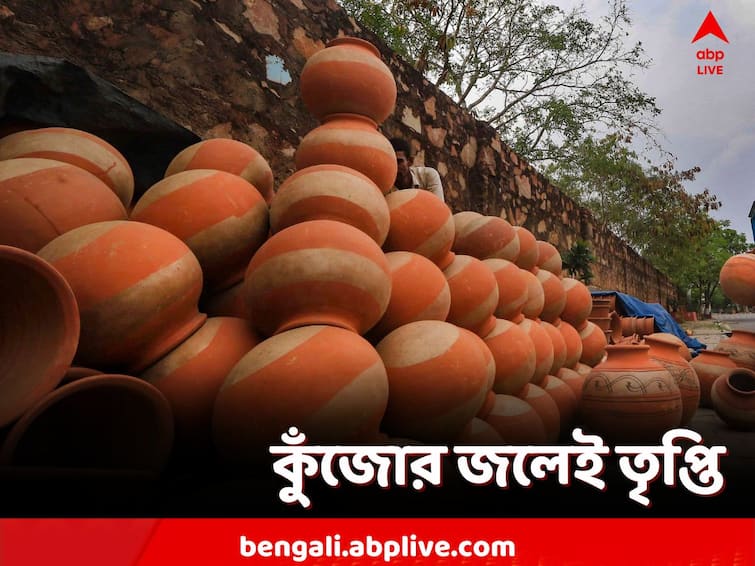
[[710, 26]]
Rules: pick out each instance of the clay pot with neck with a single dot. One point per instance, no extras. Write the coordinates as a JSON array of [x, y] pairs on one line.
[[733, 398], [740, 347], [667, 354], [710, 365]]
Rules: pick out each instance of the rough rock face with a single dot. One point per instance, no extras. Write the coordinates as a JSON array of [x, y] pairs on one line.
[[229, 68]]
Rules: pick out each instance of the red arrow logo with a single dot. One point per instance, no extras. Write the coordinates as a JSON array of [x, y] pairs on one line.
[[710, 26]]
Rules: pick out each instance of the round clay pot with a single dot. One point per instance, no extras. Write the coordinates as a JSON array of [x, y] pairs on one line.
[[583, 369], [709, 366], [113, 422], [630, 398], [554, 296], [352, 68], [353, 141], [328, 382], [671, 339], [317, 272], [81, 149], [535, 296], [487, 405], [528, 250], [548, 258], [137, 288], [733, 398], [231, 156], [565, 399], [439, 376], [331, 192], [486, 237], [594, 344], [516, 421], [545, 407], [514, 354], [737, 278], [740, 347], [578, 305], [574, 380], [667, 354], [76, 372], [544, 354], [419, 291], [572, 341], [474, 294], [512, 289], [41, 199], [220, 216], [461, 219], [479, 433], [191, 375], [422, 224], [39, 330], [228, 302], [559, 347]]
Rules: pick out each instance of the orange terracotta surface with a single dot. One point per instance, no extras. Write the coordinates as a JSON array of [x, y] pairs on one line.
[[709, 365], [740, 347], [544, 354], [737, 278], [572, 341], [516, 421], [535, 296], [479, 433], [474, 294], [578, 304], [528, 250], [667, 354], [548, 258], [513, 289], [545, 407], [486, 237], [514, 354], [554, 296], [594, 344], [733, 398], [559, 346]]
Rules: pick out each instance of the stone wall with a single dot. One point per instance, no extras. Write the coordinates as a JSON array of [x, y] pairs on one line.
[[230, 67]]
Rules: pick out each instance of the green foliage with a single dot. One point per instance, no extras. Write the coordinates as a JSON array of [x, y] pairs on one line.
[[577, 261], [543, 76]]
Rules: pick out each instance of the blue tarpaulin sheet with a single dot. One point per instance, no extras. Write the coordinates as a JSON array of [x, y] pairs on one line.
[[664, 322]]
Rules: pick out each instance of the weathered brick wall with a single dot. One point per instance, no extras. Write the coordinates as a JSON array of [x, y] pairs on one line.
[[204, 64]]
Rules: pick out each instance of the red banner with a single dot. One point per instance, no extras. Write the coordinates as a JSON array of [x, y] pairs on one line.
[[521, 542]]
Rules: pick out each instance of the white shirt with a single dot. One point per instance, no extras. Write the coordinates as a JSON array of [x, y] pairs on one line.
[[427, 178]]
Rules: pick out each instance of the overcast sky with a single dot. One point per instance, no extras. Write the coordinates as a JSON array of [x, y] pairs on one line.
[[707, 120]]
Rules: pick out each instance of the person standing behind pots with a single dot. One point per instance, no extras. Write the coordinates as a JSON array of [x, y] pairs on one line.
[[411, 177]]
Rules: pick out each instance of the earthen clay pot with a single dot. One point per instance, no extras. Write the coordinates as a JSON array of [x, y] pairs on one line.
[[545, 407], [528, 250], [630, 398], [737, 278], [559, 347], [572, 341], [486, 237], [231, 156], [600, 310], [353, 141], [487, 405], [422, 224], [191, 375], [41, 199], [112, 422], [535, 296], [228, 302], [548, 258], [514, 354], [479, 433], [331, 192], [474, 294], [328, 382], [554, 296], [516, 421], [512, 289], [578, 305], [603, 322], [671, 339], [667, 354], [733, 398], [419, 291], [740, 347], [220, 216], [137, 287], [39, 330], [76, 372], [461, 219], [439, 377], [573, 380], [565, 399], [317, 272], [709, 366], [544, 354], [81, 149], [352, 68], [594, 344]]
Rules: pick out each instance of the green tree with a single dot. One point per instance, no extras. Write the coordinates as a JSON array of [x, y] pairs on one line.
[[647, 206], [578, 261], [543, 76]]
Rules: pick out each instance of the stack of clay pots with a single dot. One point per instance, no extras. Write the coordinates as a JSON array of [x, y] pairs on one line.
[[215, 313]]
